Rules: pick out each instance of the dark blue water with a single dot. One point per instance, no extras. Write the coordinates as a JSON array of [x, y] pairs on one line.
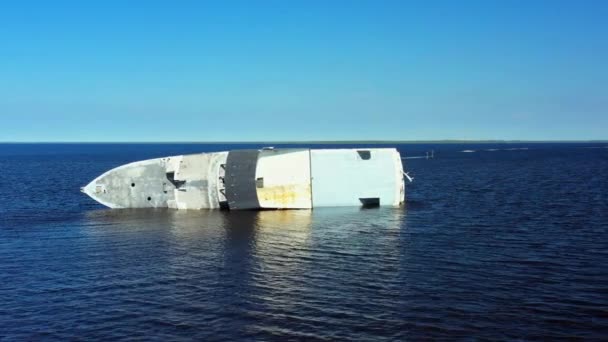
[[506, 244]]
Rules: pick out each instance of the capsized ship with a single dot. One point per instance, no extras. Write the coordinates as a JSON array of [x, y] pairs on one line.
[[256, 179]]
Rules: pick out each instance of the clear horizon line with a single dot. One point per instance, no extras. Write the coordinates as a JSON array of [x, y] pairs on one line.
[[374, 141]]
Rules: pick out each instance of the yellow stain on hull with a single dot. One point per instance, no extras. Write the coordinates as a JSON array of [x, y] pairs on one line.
[[285, 196]]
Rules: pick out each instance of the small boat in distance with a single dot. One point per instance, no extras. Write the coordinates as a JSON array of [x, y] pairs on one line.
[[256, 179]]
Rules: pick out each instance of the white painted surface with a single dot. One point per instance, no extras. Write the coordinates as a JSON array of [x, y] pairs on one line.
[[399, 178], [200, 174], [193, 193], [340, 177], [285, 175]]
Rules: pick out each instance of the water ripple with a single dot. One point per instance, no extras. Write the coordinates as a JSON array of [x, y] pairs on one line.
[[507, 245]]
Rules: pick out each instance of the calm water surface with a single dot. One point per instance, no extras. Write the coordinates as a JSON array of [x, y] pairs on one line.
[[506, 242]]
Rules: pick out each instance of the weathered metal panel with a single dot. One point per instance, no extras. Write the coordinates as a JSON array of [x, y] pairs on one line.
[[216, 175], [343, 177], [141, 184], [283, 179], [199, 175], [239, 180], [192, 172]]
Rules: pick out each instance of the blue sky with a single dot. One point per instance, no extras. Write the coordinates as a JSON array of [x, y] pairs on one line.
[[303, 70]]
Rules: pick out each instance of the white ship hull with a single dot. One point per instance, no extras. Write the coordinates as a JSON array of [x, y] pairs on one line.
[[256, 179]]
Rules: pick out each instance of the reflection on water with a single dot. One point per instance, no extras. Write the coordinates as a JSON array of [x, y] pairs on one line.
[[271, 241], [480, 253], [257, 267], [257, 233]]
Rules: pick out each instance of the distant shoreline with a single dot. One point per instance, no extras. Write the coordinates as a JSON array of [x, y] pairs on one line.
[[339, 142]]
